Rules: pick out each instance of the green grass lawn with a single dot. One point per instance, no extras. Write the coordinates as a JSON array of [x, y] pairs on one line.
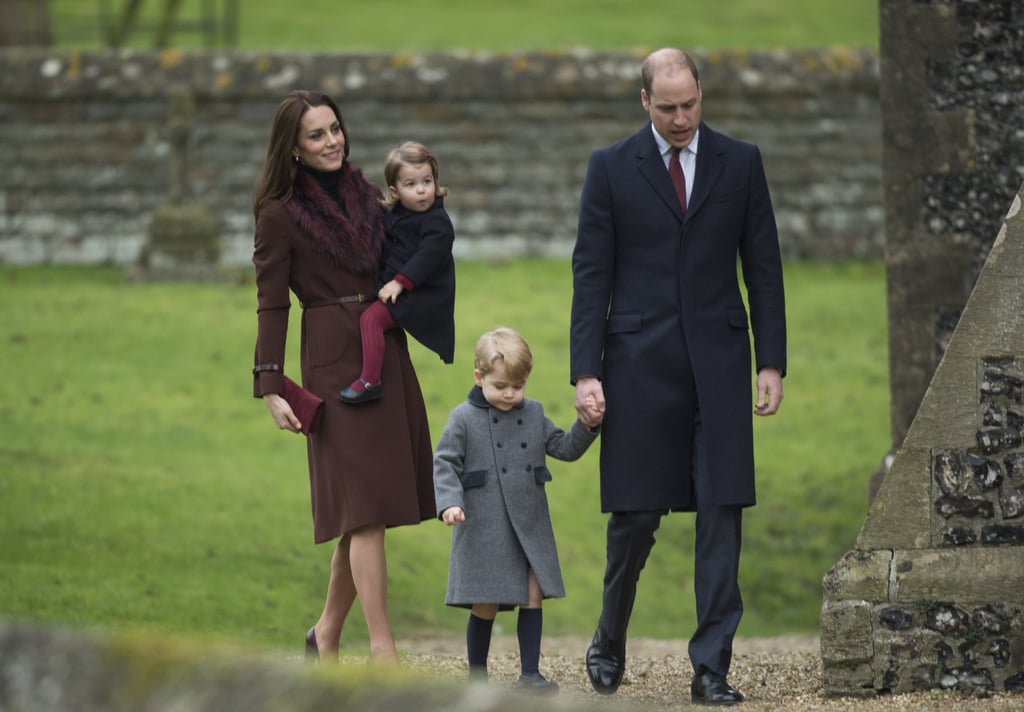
[[142, 486], [388, 25]]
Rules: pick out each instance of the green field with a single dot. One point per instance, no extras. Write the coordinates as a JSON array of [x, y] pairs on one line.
[[142, 486], [389, 25]]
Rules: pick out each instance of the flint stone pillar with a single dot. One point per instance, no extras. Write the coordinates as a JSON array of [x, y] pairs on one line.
[[931, 595]]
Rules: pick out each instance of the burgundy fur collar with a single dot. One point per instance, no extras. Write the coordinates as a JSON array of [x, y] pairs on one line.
[[351, 239]]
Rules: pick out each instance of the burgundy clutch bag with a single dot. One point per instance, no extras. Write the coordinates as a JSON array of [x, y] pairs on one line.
[[308, 407]]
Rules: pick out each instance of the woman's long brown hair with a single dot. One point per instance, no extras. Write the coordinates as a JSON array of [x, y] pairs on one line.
[[279, 169]]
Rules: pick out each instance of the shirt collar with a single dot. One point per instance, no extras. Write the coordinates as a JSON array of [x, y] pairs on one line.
[[664, 147]]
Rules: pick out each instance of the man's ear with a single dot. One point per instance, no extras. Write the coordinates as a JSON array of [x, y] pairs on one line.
[[646, 100]]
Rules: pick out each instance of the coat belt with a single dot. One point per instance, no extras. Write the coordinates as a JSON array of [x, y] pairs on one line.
[[334, 301]]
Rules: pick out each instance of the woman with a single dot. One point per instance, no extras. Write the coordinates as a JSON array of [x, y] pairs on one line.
[[319, 233]]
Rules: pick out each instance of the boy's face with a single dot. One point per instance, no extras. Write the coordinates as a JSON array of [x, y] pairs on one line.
[[501, 392]]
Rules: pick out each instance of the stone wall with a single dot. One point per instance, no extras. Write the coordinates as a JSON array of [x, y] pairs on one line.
[[84, 140]]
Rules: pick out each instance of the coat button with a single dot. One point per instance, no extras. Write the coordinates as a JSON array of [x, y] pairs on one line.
[[529, 468], [522, 445], [520, 421], [494, 419], [504, 470], [498, 444]]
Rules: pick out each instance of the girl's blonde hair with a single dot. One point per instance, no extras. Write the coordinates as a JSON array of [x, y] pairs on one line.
[[413, 154], [506, 346]]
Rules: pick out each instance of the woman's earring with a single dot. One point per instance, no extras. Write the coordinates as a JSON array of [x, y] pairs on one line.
[[296, 157]]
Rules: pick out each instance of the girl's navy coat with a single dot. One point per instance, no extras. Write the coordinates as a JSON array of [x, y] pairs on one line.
[[419, 246]]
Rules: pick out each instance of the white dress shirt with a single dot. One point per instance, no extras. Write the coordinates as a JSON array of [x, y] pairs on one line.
[[687, 158]]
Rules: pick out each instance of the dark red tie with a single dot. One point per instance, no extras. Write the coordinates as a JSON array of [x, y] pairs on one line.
[[675, 172]]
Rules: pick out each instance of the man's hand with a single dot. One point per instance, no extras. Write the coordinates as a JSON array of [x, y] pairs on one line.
[[769, 391], [589, 401]]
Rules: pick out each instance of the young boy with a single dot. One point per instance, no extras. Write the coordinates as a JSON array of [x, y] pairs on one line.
[[489, 479]]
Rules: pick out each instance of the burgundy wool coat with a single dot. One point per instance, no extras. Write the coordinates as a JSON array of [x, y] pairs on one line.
[[369, 463]]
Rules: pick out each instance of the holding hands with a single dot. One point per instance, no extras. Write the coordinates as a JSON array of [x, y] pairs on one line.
[[590, 401]]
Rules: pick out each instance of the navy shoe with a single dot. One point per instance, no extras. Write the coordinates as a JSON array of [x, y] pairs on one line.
[[353, 397], [536, 683]]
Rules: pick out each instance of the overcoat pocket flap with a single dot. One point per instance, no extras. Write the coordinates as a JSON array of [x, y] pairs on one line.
[[737, 318], [474, 478], [727, 196], [619, 323]]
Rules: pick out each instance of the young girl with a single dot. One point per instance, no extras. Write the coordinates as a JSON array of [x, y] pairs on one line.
[[489, 479], [417, 268]]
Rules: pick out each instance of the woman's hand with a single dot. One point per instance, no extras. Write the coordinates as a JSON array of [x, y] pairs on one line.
[[281, 412]]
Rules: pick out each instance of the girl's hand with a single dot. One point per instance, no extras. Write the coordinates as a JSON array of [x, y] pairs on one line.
[[453, 515], [281, 412], [390, 291]]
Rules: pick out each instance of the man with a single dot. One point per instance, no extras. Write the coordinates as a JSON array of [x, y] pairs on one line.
[[660, 339]]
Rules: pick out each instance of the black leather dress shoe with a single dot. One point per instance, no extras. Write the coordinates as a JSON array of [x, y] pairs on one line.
[[606, 661], [312, 652], [350, 395], [709, 688]]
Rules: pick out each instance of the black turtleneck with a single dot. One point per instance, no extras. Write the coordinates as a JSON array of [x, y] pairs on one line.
[[328, 180]]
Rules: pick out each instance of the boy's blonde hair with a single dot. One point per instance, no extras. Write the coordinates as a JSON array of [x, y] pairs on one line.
[[506, 346], [413, 154]]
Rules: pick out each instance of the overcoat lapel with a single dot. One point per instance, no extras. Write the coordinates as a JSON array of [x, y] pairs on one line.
[[709, 167], [652, 167]]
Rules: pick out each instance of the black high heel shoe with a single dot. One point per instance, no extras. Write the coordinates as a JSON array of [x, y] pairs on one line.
[[312, 651]]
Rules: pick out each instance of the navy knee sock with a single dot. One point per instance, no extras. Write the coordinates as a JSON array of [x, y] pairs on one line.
[[478, 643], [529, 628]]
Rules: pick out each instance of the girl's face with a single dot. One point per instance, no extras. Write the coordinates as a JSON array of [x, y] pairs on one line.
[[414, 187], [321, 142], [503, 394]]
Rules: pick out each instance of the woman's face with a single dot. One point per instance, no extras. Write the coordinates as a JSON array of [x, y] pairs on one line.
[[321, 142]]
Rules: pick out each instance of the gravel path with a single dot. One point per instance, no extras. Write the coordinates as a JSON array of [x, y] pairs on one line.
[[773, 673]]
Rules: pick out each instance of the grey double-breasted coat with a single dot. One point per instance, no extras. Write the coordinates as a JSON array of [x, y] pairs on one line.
[[492, 464]]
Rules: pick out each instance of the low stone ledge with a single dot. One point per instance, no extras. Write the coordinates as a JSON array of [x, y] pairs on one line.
[[45, 669], [981, 575]]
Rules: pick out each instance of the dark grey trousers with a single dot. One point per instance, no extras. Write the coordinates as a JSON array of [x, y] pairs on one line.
[[716, 569]]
